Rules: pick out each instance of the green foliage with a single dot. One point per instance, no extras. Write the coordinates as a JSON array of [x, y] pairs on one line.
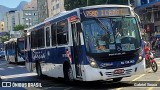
[[71, 4], [122, 2], [5, 38], [19, 27]]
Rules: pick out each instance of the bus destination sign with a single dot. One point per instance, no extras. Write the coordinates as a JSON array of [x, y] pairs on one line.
[[106, 12]]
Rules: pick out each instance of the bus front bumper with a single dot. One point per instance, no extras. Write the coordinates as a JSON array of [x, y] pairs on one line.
[[94, 74]]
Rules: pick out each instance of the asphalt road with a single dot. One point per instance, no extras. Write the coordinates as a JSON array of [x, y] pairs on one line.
[[12, 72]]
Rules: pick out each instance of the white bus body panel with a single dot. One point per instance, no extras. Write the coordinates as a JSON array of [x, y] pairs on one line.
[[93, 74]]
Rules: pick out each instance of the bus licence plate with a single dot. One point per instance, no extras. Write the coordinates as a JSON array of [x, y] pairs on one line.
[[118, 71]]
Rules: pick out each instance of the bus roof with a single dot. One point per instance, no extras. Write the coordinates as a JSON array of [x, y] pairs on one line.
[[101, 6], [74, 10]]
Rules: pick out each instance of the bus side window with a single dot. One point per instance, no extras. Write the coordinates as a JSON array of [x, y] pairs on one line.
[[62, 32], [47, 36], [33, 41], [53, 34], [41, 39]]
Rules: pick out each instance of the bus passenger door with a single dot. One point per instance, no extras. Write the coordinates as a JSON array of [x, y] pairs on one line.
[[47, 43], [76, 48], [28, 56]]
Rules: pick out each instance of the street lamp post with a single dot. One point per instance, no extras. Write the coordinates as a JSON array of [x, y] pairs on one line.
[[129, 2], [87, 2]]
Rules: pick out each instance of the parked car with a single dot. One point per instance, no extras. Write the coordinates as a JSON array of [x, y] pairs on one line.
[[2, 54]]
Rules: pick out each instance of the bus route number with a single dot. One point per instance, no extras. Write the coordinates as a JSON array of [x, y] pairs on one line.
[[92, 13]]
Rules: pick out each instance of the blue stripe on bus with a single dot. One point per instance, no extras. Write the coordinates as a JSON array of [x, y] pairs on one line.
[[58, 56]]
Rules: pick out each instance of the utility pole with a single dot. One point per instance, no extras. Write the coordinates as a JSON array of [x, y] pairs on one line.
[[87, 2], [129, 3]]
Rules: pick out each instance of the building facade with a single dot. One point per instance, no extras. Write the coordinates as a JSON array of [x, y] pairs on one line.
[[19, 18], [42, 6], [55, 7], [9, 21], [149, 12], [30, 14]]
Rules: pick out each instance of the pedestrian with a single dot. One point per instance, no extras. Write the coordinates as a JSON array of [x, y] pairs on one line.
[[153, 43], [157, 44]]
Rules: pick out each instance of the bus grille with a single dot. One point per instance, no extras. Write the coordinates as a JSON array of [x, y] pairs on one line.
[[126, 72]]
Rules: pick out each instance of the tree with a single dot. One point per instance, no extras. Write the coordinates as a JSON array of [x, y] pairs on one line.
[[71, 4], [19, 27], [122, 2], [5, 37]]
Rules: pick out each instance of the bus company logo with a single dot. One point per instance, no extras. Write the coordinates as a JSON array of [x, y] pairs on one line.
[[38, 55], [103, 65], [6, 84]]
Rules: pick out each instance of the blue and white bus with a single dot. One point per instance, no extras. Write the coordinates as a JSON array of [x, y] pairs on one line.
[[14, 50], [87, 44]]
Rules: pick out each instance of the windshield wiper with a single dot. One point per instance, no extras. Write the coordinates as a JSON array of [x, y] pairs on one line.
[[105, 28]]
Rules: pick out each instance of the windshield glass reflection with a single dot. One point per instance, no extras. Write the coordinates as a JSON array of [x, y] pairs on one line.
[[111, 34]]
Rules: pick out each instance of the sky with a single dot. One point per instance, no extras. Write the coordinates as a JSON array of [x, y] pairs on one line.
[[11, 3]]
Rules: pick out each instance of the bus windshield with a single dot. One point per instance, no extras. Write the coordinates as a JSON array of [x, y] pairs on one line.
[[111, 35], [21, 45]]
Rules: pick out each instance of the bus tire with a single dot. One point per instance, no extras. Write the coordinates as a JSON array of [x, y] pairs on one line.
[[117, 79], [68, 74], [39, 70]]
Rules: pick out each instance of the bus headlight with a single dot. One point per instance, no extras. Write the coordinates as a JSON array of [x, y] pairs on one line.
[[140, 58], [92, 62]]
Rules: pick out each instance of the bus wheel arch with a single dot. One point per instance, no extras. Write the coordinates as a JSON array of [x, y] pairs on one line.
[[68, 73]]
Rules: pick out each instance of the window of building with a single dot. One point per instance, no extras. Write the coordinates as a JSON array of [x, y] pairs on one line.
[[57, 6], [62, 32], [53, 34], [34, 14], [26, 13], [53, 8]]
